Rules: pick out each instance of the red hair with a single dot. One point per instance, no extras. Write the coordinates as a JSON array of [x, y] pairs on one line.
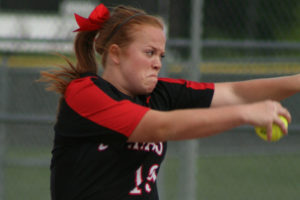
[[116, 30]]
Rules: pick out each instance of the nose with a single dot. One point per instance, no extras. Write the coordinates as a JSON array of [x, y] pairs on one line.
[[157, 63]]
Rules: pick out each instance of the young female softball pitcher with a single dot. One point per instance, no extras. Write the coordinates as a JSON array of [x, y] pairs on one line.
[[112, 129]]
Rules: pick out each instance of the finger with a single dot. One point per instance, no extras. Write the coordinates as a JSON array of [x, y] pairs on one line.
[[285, 113], [269, 132], [281, 125], [280, 110]]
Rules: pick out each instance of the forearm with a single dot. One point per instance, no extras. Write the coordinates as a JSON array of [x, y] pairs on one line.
[[190, 124], [186, 124], [198, 123], [255, 90], [277, 88]]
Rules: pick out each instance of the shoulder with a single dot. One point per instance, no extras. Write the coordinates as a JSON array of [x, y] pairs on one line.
[[186, 83], [87, 84]]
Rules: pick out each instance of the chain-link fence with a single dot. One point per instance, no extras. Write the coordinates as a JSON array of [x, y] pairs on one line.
[[238, 40]]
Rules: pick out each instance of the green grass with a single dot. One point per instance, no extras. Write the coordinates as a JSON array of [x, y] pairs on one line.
[[241, 177], [26, 173], [27, 183], [258, 177]]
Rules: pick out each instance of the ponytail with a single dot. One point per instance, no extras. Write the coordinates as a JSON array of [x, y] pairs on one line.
[[85, 52], [58, 80]]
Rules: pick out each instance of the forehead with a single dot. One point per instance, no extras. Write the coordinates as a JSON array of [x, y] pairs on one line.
[[147, 35]]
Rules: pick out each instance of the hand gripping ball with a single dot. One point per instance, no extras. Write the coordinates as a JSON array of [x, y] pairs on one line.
[[277, 133]]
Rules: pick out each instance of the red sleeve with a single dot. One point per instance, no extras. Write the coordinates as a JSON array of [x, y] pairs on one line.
[[89, 101]]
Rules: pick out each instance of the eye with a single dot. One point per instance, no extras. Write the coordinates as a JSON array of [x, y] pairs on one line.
[[150, 52]]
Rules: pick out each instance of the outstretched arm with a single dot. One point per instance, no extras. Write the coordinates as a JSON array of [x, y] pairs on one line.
[[197, 123], [240, 92]]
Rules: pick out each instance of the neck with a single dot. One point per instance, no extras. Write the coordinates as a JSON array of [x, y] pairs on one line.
[[115, 78]]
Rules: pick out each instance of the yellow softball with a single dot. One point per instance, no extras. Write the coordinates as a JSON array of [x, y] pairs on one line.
[[277, 133]]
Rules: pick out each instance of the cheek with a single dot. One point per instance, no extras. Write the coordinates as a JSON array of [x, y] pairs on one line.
[[135, 76], [139, 80], [137, 70]]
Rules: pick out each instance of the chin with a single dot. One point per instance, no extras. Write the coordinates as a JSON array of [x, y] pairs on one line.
[[147, 90], [150, 89], [150, 86]]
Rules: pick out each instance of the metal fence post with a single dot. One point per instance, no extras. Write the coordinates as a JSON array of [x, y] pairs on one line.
[[3, 108], [188, 167]]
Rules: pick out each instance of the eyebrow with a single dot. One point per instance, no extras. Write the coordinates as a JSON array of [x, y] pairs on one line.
[[156, 49]]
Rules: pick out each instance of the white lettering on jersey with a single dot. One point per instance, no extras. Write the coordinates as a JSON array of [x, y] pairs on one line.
[[152, 175], [102, 147], [147, 146], [148, 188], [138, 181]]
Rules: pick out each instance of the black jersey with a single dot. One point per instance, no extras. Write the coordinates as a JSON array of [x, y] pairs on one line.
[[91, 158]]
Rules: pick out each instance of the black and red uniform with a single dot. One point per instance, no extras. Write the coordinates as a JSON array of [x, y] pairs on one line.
[[91, 158]]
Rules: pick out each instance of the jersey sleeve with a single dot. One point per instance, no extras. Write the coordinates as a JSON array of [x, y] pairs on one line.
[[91, 103], [180, 94]]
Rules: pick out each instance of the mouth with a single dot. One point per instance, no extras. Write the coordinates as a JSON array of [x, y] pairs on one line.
[[153, 76]]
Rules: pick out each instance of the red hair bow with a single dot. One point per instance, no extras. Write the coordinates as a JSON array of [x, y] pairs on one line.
[[94, 22]]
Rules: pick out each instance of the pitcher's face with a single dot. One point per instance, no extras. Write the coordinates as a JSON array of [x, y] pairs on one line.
[[141, 61]]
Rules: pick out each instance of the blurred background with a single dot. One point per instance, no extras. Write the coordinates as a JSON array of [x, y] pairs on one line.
[[208, 40]]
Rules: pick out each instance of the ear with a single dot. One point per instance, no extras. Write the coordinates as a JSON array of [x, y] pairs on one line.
[[114, 53]]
